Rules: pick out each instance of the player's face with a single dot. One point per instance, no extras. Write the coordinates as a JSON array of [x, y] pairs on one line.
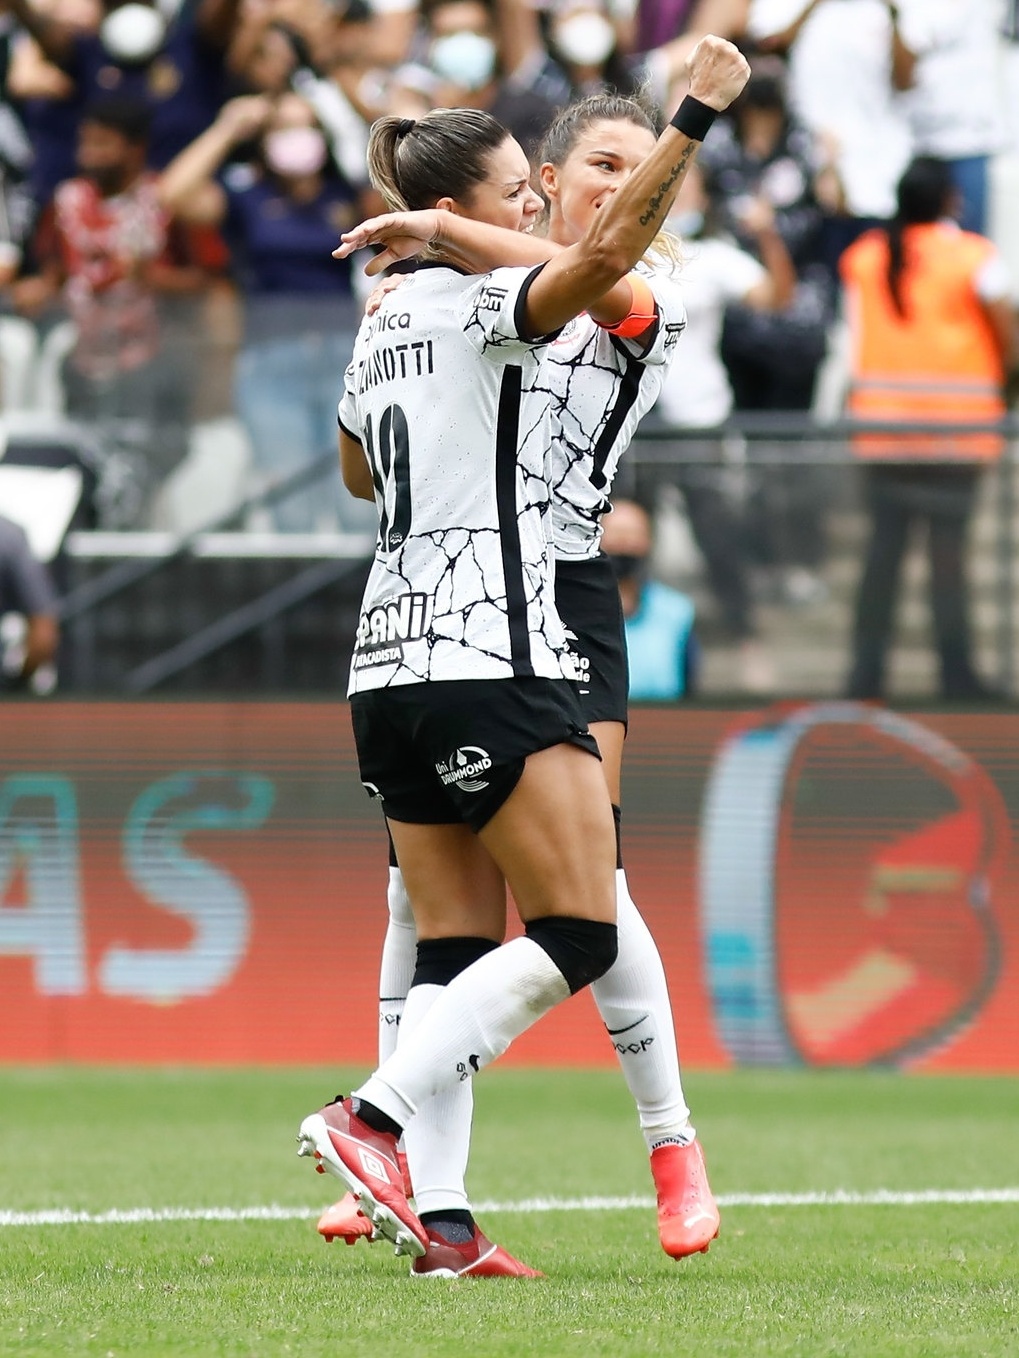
[[606, 154], [505, 197]]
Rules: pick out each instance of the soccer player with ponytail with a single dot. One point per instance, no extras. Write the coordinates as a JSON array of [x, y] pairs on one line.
[[468, 722]]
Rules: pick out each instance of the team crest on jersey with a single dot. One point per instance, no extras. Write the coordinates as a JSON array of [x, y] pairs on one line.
[[384, 629], [463, 767], [567, 332]]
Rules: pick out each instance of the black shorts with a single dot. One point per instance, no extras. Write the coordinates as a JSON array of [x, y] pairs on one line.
[[587, 600], [442, 753]]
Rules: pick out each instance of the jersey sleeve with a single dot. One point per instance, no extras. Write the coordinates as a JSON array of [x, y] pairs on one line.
[[492, 313], [671, 319], [347, 414]]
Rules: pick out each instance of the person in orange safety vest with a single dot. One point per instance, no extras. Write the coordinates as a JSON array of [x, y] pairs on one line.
[[932, 336]]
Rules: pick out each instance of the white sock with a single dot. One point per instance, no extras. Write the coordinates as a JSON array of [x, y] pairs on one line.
[[438, 1140], [472, 1022], [633, 1000], [399, 958]]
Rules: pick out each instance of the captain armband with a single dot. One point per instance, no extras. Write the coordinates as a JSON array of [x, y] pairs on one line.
[[642, 314]]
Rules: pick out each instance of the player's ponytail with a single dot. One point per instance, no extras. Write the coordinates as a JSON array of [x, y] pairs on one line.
[[383, 146], [415, 162]]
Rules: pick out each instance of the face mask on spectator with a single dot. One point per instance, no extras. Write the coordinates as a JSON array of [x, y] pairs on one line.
[[466, 59], [585, 39], [133, 33], [295, 151]]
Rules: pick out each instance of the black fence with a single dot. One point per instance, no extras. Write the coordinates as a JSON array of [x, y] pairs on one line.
[[223, 609]]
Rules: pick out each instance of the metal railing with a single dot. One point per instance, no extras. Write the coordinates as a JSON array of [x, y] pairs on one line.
[[755, 440]]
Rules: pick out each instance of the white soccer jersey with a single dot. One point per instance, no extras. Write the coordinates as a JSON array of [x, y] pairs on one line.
[[443, 394], [601, 388]]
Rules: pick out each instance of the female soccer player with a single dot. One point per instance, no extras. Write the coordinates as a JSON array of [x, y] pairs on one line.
[[602, 384], [466, 722]]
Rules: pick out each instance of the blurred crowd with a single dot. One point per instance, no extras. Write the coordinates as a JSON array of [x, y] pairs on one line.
[[174, 174]]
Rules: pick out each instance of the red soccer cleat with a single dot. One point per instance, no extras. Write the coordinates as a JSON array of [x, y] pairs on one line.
[[688, 1217], [367, 1161], [401, 1160], [345, 1221], [476, 1258]]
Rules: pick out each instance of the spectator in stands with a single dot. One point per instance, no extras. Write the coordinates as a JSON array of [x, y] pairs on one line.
[[108, 251], [660, 642], [585, 46], [955, 44], [714, 273], [174, 64], [25, 589], [270, 38], [848, 62], [761, 156], [1010, 71], [933, 333], [49, 104], [659, 21], [465, 55], [456, 59], [282, 209], [16, 155]]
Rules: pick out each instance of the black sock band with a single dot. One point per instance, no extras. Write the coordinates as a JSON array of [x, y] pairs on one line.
[[440, 959], [374, 1117], [617, 816], [582, 949]]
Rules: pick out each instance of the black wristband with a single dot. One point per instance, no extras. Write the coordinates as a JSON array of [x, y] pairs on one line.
[[693, 118]]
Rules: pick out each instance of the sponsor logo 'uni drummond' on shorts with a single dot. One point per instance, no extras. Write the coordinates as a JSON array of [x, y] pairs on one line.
[[383, 629], [462, 768]]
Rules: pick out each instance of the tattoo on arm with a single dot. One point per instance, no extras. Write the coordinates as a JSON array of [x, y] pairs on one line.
[[655, 201]]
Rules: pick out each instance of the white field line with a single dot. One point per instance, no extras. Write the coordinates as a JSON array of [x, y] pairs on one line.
[[881, 1197]]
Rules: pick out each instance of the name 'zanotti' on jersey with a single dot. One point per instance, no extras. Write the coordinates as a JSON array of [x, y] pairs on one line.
[[443, 395]]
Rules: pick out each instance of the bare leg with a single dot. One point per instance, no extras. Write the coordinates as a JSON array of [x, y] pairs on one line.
[[554, 840]]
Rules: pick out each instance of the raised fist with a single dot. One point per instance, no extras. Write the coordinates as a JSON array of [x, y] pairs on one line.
[[717, 71]]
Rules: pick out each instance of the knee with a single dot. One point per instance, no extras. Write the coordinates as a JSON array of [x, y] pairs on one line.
[[582, 949]]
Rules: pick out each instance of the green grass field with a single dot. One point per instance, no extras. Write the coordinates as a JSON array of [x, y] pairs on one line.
[[827, 1279]]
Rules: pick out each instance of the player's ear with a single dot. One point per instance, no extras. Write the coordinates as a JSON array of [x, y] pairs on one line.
[[449, 205], [549, 180]]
